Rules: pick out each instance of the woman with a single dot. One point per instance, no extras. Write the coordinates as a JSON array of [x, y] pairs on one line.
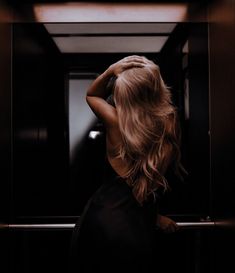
[[117, 227]]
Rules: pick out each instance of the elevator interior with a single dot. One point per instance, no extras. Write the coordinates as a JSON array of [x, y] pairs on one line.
[[58, 143]]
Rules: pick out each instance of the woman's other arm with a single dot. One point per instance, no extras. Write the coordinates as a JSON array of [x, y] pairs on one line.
[[166, 224]]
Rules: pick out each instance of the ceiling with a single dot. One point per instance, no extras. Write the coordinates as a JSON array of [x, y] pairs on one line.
[[110, 37]]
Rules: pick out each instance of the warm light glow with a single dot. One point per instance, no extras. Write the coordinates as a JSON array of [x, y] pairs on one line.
[[110, 12], [6, 15]]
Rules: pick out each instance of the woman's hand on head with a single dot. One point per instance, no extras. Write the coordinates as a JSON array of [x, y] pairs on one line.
[[127, 63], [166, 224]]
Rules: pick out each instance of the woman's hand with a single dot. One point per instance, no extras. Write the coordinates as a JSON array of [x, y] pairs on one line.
[[126, 63], [166, 224]]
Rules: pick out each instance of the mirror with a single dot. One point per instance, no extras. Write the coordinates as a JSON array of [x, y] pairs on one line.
[[63, 138], [180, 49]]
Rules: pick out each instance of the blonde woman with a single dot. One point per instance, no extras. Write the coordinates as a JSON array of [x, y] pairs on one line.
[[117, 227]]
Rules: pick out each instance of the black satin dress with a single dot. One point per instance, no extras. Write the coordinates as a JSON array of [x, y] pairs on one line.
[[114, 233]]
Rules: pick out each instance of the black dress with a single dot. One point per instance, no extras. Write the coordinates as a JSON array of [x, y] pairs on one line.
[[114, 233]]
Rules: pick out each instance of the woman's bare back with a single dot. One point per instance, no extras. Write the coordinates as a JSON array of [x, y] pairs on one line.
[[113, 141]]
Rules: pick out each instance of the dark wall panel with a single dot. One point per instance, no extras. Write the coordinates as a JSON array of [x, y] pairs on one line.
[[5, 140], [193, 195], [39, 150], [222, 130]]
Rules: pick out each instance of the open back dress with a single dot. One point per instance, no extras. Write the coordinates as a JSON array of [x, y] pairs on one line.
[[114, 233]]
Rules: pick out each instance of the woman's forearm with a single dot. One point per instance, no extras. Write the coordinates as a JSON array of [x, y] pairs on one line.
[[158, 218], [98, 86]]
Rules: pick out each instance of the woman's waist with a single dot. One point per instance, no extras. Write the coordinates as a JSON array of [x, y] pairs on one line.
[[117, 197], [113, 194]]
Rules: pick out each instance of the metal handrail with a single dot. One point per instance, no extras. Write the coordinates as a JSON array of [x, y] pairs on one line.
[[182, 225]]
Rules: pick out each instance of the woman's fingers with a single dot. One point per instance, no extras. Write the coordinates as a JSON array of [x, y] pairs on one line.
[[134, 58], [129, 62], [137, 58], [177, 227], [133, 64], [171, 228]]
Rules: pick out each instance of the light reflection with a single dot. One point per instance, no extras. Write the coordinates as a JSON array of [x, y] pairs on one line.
[[94, 134], [111, 12]]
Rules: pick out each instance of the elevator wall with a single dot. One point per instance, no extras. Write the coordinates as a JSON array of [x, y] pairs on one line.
[[39, 123], [5, 140], [222, 129]]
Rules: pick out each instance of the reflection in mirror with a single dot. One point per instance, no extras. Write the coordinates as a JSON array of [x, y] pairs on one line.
[[58, 165], [180, 50], [88, 50]]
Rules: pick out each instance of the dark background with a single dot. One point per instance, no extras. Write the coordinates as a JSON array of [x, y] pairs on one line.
[[36, 182]]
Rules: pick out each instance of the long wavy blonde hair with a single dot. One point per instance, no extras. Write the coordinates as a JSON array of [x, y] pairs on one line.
[[149, 129]]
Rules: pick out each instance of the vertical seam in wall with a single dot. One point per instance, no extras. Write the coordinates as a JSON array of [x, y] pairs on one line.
[[11, 196], [209, 114], [11, 205]]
